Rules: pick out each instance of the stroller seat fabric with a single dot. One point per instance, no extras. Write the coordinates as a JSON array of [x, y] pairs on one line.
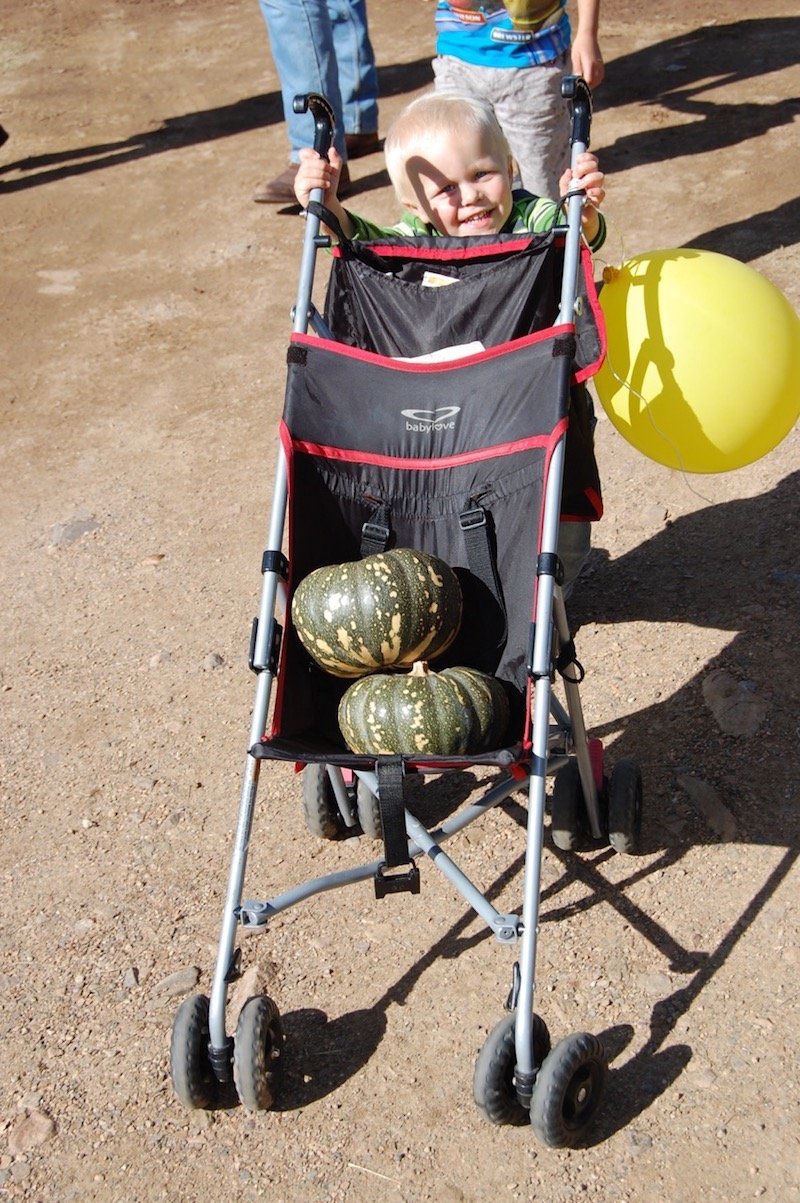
[[450, 455]]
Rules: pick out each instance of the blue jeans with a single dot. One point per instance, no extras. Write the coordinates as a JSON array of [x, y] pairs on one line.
[[323, 46]]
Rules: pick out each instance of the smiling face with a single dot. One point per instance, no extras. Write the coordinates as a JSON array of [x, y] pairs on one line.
[[459, 181]]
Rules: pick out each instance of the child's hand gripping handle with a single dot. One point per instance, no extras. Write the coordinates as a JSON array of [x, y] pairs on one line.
[[324, 128], [575, 90]]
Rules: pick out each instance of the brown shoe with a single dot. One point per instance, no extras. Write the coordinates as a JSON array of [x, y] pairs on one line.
[[359, 145], [280, 191]]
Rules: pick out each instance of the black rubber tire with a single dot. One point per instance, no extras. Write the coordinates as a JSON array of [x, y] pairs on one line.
[[321, 810], [193, 1078], [257, 1052], [569, 822], [625, 807], [368, 811], [568, 1090], [493, 1081]]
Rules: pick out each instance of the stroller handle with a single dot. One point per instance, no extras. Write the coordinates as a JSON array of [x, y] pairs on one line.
[[578, 93], [324, 120]]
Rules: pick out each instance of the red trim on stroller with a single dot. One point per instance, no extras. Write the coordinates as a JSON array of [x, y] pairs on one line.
[[424, 251], [440, 365], [349, 455]]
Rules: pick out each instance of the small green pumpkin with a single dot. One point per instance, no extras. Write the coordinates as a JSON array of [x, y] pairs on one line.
[[423, 713], [489, 703], [385, 611]]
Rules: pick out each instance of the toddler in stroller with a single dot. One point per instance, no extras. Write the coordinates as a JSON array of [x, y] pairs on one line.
[[426, 526], [451, 168]]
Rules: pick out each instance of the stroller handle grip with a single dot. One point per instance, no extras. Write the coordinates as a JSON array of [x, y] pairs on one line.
[[324, 120], [578, 93]]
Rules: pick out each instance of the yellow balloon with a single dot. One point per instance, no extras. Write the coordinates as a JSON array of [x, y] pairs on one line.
[[702, 371]]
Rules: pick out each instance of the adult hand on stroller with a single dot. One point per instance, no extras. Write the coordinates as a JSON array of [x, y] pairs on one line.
[[316, 172], [590, 179]]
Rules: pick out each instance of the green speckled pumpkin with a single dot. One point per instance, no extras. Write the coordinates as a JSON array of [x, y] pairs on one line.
[[450, 713], [489, 703], [385, 611]]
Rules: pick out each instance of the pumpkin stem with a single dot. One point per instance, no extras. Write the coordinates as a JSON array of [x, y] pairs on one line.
[[420, 668]]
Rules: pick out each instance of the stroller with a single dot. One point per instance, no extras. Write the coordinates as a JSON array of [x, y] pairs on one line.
[[464, 461]]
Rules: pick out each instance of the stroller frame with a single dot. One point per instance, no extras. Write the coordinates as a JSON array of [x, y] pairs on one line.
[[516, 1070]]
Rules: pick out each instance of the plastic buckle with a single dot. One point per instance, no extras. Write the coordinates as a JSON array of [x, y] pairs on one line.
[[397, 883], [470, 519], [375, 532]]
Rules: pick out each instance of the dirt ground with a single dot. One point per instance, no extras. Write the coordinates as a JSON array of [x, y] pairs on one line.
[[145, 318]]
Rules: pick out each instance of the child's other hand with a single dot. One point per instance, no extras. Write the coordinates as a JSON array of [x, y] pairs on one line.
[[316, 172], [588, 176]]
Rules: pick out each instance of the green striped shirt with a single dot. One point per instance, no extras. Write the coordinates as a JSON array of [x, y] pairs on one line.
[[531, 214]]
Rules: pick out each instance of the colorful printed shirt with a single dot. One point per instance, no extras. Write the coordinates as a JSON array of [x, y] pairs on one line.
[[485, 33], [534, 214]]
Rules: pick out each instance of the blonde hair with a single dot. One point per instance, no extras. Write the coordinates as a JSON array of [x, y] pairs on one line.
[[437, 113]]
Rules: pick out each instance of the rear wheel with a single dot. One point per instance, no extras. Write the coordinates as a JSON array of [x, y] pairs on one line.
[[321, 810], [369, 812], [569, 821], [625, 807]]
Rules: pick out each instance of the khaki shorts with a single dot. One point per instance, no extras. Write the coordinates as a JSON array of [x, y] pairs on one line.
[[528, 104]]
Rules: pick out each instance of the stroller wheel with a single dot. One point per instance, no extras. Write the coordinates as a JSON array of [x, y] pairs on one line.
[[369, 814], [193, 1078], [625, 806], [322, 815], [569, 823], [257, 1050], [493, 1082], [568, 1089]]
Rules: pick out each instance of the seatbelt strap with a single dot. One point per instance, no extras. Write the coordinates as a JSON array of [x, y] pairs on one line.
[[376, 531], [479, 540]]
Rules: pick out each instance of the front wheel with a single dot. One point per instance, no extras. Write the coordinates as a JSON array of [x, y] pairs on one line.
[[257, 1051], [568, 1090], [193, 1078], [493, 1084]]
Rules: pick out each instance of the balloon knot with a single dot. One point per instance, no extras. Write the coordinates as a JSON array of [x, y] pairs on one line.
[[610, 273]]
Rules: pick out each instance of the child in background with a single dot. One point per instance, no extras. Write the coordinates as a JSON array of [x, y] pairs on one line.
[[514, 55]]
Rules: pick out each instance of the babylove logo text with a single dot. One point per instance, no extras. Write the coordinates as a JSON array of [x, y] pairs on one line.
[[427, 420]]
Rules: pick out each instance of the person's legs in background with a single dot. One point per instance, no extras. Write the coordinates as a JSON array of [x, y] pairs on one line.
[[322, 46], [358, 76], [535, 119]]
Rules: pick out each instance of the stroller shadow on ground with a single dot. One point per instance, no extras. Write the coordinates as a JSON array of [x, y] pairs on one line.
[[680, 575], [731, 567]]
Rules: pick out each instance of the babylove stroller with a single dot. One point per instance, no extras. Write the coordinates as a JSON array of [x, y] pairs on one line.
[[388, 448]]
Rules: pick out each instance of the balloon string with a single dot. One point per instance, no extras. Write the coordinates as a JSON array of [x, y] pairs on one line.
[[612, 226]]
